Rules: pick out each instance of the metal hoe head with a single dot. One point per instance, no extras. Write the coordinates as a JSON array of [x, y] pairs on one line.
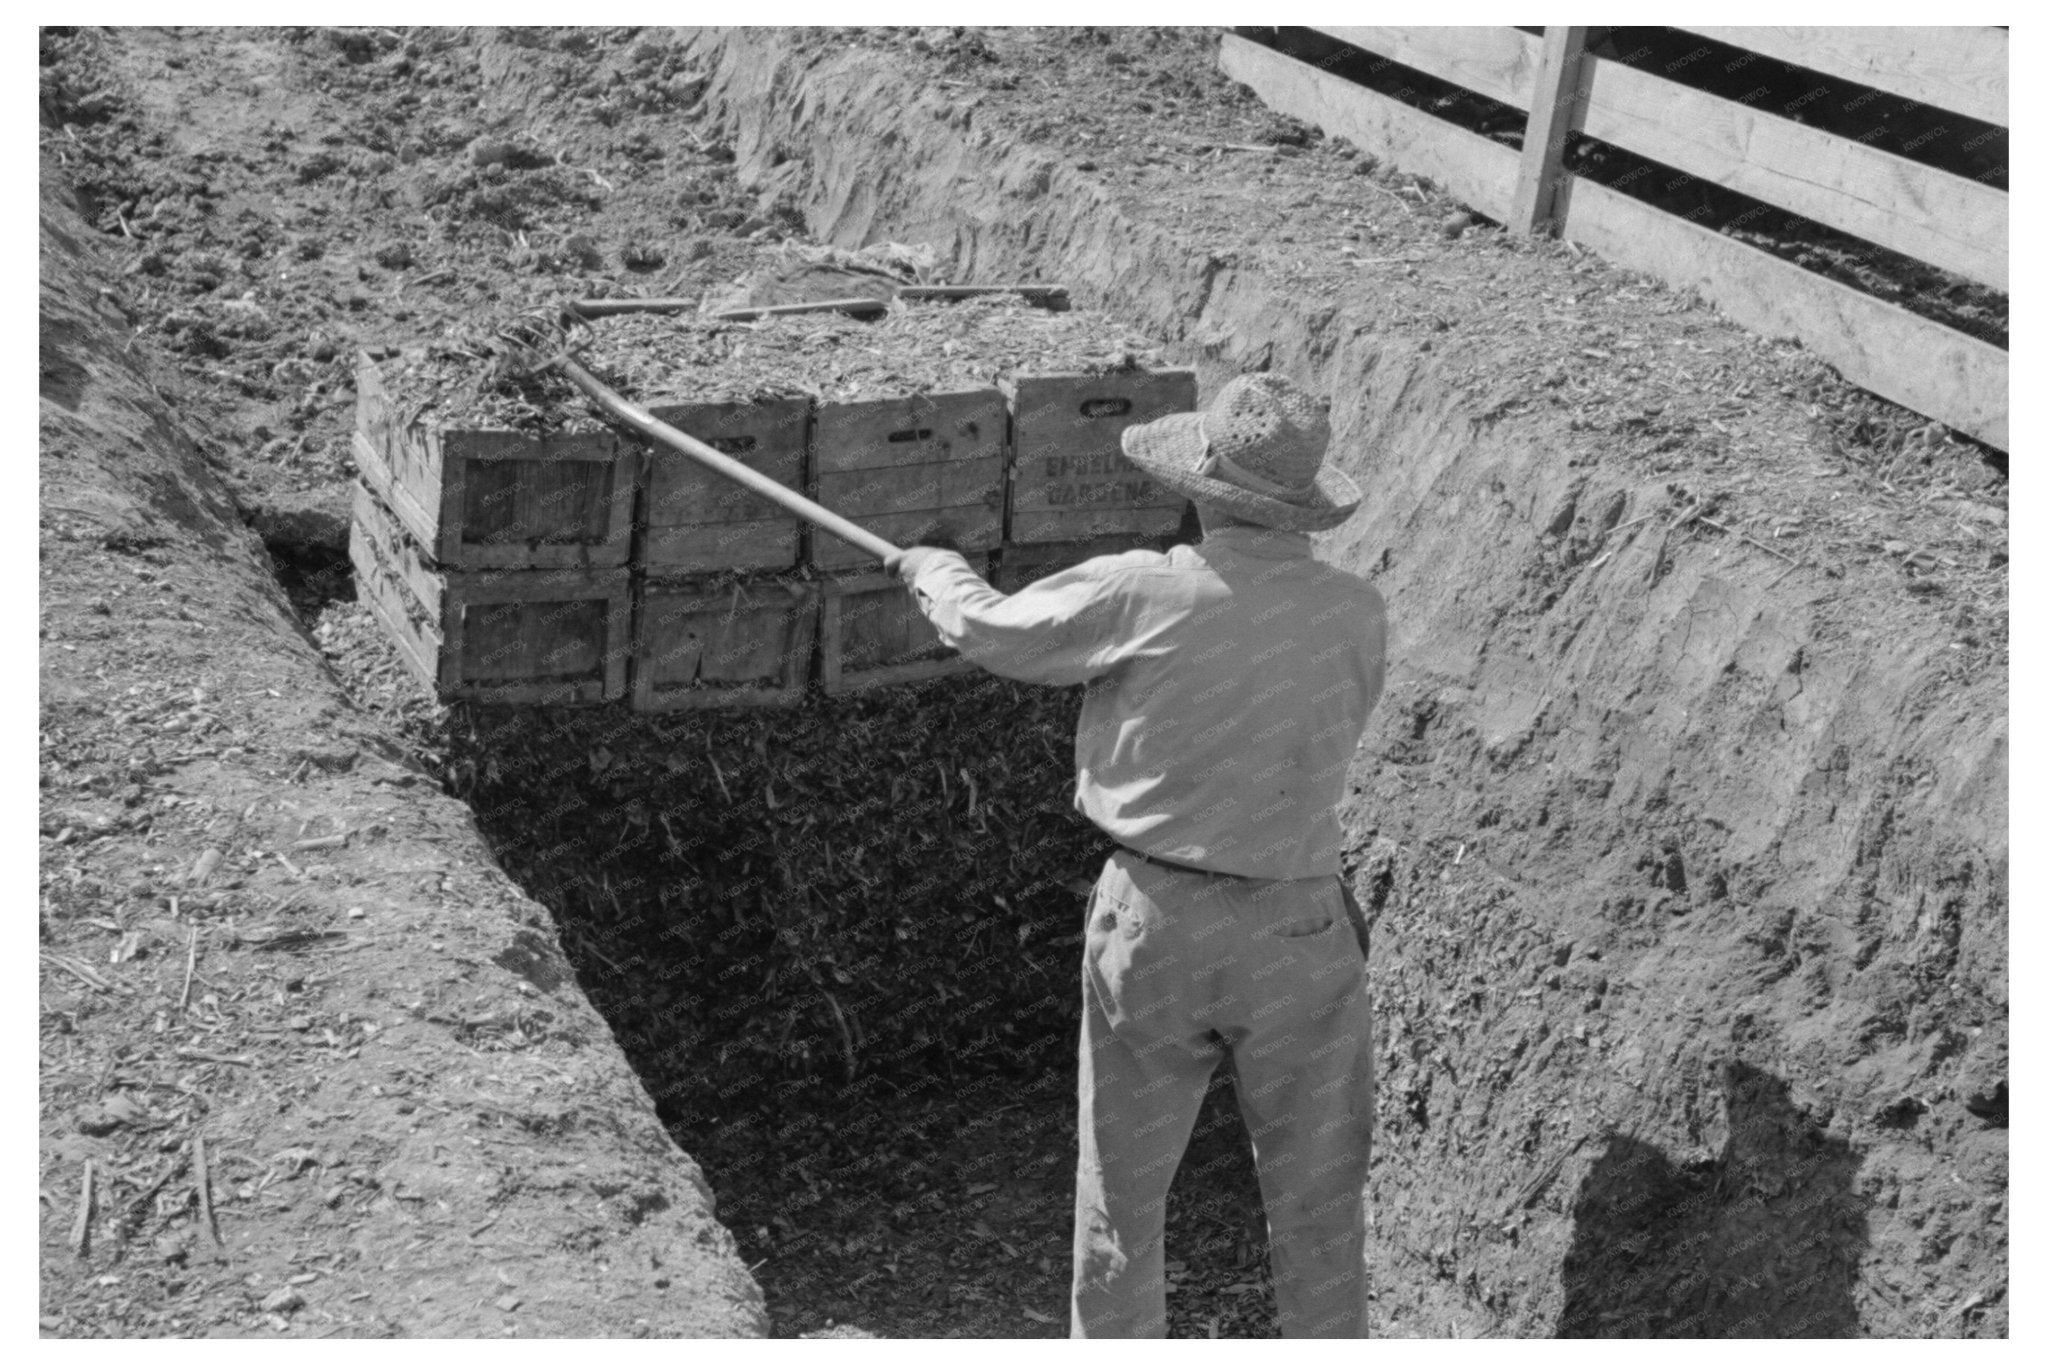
[[535, 340]]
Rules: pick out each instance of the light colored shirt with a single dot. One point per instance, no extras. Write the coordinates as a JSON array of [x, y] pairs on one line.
[[1228, 685]]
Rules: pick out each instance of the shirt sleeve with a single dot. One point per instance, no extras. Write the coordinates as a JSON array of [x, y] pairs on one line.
[[1060, 630]]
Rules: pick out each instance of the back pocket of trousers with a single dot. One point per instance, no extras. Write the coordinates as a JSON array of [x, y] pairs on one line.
[[1308, 926]]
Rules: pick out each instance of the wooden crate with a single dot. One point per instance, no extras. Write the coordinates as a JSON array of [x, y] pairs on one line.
[[497, 499], [925, 468], [700, 522], [1069, 479], [519, 636], [1019, 565], [870, 632], [704, 643]]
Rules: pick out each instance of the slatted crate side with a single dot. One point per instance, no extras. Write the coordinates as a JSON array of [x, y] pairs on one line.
[[1021, 565], [496, 499], [923, 466], [544, 636], [540, 636], [700, 522], [412, 627], [509, 500], [397, 552], [975, 529], [702, 644], [1069, 477], [871, 633], [405, 474]]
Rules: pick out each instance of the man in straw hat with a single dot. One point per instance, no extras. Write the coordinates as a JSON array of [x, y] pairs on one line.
[[1228, 685]]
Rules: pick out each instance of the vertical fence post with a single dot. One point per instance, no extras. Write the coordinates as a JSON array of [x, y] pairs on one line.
[[1552, 112]]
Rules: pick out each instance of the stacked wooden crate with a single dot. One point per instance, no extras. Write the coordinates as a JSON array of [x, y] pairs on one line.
[[908, 437], [915, 468], [495, 556], [519, 565], [892, 444], [950, 463], [1073, 493], [722, 617]]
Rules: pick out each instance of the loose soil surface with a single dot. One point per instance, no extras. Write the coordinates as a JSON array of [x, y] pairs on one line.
[[1682, 1042]]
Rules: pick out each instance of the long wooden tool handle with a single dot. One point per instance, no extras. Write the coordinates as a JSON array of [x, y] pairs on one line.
[[608, 308], [647, 424]]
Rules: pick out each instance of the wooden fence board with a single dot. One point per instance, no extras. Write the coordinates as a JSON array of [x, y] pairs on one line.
[[1922, 365], [1476, 170], [1495, 60], [1946, 220], [1551, 116], [1959, 68]]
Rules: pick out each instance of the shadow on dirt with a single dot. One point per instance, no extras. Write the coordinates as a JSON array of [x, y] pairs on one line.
[[306, 535], [1762, 1241]]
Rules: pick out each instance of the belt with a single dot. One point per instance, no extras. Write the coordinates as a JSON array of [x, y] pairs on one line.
[[1145, 857], [1353, 911]]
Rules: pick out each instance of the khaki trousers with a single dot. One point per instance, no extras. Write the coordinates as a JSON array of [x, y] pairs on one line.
[[1179, 969]]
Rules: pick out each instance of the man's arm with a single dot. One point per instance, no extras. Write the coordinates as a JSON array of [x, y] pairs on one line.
[[1059, 630]]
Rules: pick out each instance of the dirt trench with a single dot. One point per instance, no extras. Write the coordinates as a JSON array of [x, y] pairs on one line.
[[1687, 853], [310, 1064], [1690, 899]]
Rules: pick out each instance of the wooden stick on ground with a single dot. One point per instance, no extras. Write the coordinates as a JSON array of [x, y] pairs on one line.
[[89, 978], [134, 1206], [81, 1229], [205, 1183], [1406, 207], [191, 961], [852, 307], [92, 978], [606, 308], [1741, 535], [1033, 293], [1657, 564], [1046, 294]]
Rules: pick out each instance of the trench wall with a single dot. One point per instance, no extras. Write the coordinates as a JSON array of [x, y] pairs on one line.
[[1689, 874], [603, 1226]]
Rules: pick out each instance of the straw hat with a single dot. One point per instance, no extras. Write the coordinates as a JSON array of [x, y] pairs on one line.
[[1257, 452]]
